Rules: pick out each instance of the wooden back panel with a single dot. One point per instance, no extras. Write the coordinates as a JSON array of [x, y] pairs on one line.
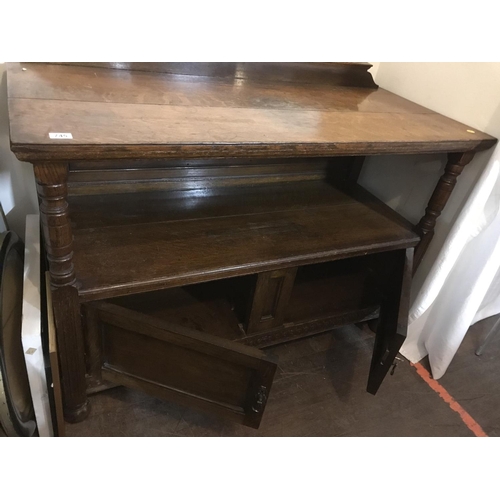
[[100, 177], [333, 73]]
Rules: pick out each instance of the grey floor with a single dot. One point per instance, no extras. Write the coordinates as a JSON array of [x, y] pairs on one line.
[[320, 391]]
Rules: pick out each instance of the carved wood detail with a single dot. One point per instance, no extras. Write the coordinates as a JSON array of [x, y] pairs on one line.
[[51, 180], [446, 184], [272, 293], [51, 185]]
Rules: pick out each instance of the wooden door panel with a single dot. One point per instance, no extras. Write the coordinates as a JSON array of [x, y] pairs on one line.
[[185, 366], [393, 320], [272, 293]]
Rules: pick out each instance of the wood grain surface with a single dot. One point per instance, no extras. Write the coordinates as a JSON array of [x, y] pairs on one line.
[[184, 246], [183, 365], [132, 114], [187, 173]]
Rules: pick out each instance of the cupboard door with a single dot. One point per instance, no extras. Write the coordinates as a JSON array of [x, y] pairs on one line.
[[393, 319], [184, 366]]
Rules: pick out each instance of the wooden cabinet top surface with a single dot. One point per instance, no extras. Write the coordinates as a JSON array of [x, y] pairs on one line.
[[195, 110]]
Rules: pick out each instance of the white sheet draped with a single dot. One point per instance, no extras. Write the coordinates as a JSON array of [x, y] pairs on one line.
[[463, 285]]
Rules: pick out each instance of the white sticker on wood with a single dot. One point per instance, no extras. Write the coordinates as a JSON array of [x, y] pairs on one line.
[[60, 135]]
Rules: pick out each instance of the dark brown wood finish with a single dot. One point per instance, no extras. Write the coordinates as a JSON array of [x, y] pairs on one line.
[[155, 178], [51, 179], [71, 352], [236, 182], [93, 348], [156, 115], [319, 391], [439, 198], [208, 307], [393, 320], [354, 169], [324, 296], [185, 366], [230, 235], [270, 300], [342, 74], [207, 193]]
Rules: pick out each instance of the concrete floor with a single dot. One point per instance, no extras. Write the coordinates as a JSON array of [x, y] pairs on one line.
[[320, 391]]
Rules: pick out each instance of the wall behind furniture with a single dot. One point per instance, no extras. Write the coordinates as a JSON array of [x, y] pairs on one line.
[[467, 92], [17, 183]]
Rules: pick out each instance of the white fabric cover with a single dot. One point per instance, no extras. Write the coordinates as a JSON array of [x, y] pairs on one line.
[[463, 285]]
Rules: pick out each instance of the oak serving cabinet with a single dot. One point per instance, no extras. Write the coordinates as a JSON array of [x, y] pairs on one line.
[[196, 213]]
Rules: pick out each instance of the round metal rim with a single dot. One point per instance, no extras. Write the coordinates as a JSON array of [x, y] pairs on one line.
[[11, 421]]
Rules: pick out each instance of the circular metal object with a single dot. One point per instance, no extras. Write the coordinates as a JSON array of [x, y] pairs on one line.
[[16, 407]]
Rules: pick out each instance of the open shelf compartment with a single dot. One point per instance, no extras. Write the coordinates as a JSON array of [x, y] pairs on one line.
[[127, 243]]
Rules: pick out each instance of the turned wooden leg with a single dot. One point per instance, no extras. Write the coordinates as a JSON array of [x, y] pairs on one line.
[[439, 198], [51, 179], [393, 320]]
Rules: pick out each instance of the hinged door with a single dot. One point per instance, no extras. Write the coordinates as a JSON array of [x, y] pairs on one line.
[[184, 366], [393, 319]]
